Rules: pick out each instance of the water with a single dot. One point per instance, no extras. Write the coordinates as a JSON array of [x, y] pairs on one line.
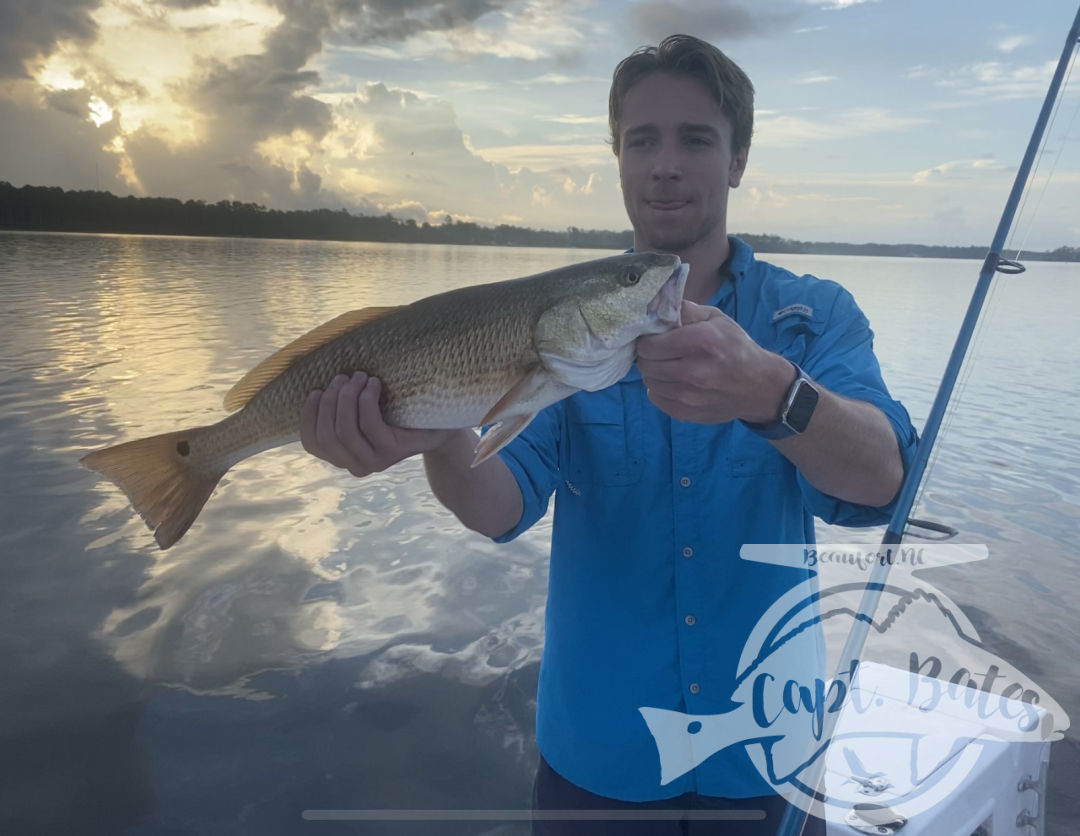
[[321, 643]]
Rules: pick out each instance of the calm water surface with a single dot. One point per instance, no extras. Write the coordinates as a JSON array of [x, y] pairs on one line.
[[318, 642]]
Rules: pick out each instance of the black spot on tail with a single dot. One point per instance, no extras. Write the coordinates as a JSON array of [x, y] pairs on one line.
[[183, 448]]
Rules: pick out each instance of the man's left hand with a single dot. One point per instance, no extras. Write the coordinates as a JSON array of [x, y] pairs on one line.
[[710, 371]]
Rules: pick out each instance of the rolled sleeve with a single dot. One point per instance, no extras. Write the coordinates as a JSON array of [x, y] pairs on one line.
[[842, 360], [533, 459]]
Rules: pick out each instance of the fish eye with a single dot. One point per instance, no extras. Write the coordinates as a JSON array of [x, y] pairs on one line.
[[633, 276]]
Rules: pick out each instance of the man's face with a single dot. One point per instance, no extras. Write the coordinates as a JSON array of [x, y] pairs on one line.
[[675, 163]]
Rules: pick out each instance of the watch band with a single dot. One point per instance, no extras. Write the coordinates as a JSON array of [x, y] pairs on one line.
[[795, 411]]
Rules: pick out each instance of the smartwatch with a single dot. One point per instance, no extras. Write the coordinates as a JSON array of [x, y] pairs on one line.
[[795, 410]]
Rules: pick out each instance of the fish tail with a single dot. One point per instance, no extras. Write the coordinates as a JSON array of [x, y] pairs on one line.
[[165, 478]]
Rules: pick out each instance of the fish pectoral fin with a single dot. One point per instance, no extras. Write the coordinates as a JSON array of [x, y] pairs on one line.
[[536, 389], [499, 436], [521, 392], [253, 382], [512, 413]]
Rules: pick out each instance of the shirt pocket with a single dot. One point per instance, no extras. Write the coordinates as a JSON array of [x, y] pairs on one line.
[[794, 335], [603, 441], [751, 455], [748, 453]]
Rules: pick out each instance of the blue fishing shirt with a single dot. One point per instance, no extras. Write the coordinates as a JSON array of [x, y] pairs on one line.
[[649, 603]]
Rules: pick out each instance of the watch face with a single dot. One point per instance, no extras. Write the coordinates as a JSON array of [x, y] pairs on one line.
[[802, 406]]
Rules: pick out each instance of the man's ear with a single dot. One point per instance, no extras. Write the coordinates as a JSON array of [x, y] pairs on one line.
[[738, 166]]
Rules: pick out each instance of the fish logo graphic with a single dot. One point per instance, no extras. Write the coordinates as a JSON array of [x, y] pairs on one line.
[[925, 693]]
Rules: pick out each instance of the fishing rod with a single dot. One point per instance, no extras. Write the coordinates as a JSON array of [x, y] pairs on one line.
[[795, 819]]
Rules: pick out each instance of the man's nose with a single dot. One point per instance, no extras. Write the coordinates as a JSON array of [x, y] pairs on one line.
[[666, 164]]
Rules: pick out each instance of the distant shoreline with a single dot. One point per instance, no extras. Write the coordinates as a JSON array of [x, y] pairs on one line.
[[52, 209]]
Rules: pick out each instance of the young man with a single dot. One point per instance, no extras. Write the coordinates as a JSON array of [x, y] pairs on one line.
[[765, 409]]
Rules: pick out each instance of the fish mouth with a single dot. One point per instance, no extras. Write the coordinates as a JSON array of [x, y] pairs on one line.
[[665, 309]]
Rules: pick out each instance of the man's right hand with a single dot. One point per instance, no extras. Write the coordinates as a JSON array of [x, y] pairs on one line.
[[343, 425]]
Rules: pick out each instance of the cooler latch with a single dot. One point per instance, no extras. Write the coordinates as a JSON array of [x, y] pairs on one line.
[[874, 819]]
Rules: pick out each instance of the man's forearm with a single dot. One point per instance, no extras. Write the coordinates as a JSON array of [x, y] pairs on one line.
[[849, 450], [485, 498]]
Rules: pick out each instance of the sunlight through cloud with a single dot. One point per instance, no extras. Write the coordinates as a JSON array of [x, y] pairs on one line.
[[100, 112]]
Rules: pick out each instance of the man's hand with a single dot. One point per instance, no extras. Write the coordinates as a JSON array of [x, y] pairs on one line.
[[344, 426], [709, 371]]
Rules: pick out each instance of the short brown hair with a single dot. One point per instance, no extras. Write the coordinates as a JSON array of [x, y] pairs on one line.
[[690, 56]]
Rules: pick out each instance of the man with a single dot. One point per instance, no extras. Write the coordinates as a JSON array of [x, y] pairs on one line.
[[764, 409]]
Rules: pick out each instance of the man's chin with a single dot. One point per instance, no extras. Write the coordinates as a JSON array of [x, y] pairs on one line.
[[671, 243], [674, 238]]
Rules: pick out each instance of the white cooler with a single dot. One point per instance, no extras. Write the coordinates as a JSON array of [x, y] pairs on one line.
[[934, 772]]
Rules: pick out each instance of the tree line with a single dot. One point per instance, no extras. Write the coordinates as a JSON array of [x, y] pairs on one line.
[[52, 209], [776, 244]]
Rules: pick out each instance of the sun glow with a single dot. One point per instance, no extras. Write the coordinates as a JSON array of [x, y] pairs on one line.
[[100, 112], [57, 74], [289, 152], [141, 67]]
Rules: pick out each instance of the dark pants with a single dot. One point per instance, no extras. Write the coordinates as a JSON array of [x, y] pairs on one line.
[[564, 809]]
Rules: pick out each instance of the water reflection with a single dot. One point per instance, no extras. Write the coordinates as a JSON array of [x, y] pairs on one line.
[[364, 633], [291, 566]]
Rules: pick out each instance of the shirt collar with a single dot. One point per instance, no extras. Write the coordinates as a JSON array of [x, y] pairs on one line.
[[738, 261], [732, 271]]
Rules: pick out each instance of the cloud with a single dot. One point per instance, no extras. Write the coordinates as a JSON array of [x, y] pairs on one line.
[[546, 158], [889, 207], [195, 91], [262, 95], [814, 78], [995, 79], [267, 136], [463, 30], [575, 119], [922, 71], [375, 21], [958, 170], [711, 20], [1012, 43], [242, 103], [33, 28], [50, 140], [838, 4], [462, 87], [415, 155], [865, 206], [73, 101], [561, 79], [990, 79], [785, 130], [570, 186], [225, 100]]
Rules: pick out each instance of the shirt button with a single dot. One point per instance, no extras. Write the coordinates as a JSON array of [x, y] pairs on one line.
[[695, 688], [687, 552], [685, 481], [690, 621]]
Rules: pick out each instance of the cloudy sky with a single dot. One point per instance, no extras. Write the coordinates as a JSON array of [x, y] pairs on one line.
[[877, 120]]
